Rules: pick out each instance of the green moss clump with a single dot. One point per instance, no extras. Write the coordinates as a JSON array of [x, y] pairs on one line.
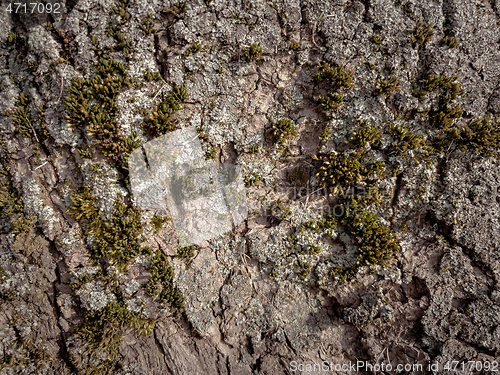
[[341, 169], [305, 270], [25, 124], [150, 76], [121, 43], [331, 101], [117, 238], [252, 179], [14, 39], [161, 283], [376, 39], [120, 17], [84, 279], [147, 25], [337, 76], [253, 53], [12, 217], [325, 135], [179, 9], [102, 332], [282, 131], [421, 35], [481, 135], [337, 80], [253, 149], [8, 295], [84, 154], [344, 274], [91, 107], [160, 121], [377, 245], [404, 140], [22, 117], [366, 134], [210, 151], [450, 41], [186, 252], [311, 249], [157, 221], [447, 111], [434, 83], [195, 47], [385, 88]]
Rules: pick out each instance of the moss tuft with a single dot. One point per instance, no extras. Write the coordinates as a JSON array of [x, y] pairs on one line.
[[253, 53], [195, 47], [116, 239], [450, 41], [179, 9], [160, 121], [337, 80], [282, 131], [150, 76], [186, 252], [161, 283], [481, 135], [404, 140], [252, 179], [376, 39], [366, 134], [157, 221], [421, 35], [12, 217], [102, 333], [385, 88], [91, 108], [147, 25], [341, 169]]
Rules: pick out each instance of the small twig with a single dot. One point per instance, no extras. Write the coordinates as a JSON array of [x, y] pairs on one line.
[[62, 84], [32, 128], [449, 150], [161, 89], [316, 24], [40, 166]]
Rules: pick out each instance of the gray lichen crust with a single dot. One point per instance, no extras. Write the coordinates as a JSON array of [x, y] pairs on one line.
[[368, 138]]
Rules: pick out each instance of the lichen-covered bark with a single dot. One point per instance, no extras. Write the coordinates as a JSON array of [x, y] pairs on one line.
[[368, 137]]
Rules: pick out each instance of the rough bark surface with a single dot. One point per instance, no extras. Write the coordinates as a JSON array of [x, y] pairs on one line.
[[262, 296]]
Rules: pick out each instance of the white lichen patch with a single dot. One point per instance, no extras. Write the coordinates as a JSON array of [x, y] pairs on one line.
[[256, 164], [374, 306], [94, 296], [130, 286], [33, 205], [103, 181], [42, 43], [69, 240], [136, 305], [273, 248], [223, 125]]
